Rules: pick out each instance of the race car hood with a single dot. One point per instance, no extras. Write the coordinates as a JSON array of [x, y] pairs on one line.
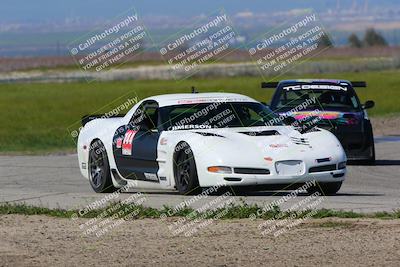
[[264, 143]]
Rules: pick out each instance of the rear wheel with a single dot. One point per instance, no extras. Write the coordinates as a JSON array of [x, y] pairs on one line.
[[99, 169], [185, 171], [371, 160], [327, 189]]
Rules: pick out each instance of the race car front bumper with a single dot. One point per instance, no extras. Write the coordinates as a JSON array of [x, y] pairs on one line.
[[322, 173]]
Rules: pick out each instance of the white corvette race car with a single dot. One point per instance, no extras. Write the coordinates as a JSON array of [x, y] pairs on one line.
[[191, 141]]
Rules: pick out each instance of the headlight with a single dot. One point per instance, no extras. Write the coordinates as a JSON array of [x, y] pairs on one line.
[[220, 169], [342, 165]]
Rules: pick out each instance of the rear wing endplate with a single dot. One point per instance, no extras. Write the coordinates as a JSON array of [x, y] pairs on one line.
[[275, 84], [269, 84], [358, 83]]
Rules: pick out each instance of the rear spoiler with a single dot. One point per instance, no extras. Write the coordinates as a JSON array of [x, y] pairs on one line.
[[269, 84], [359, 84], [87, 118], [275, 84]]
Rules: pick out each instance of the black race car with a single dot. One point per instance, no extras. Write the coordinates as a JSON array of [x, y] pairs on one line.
[[329, 104]]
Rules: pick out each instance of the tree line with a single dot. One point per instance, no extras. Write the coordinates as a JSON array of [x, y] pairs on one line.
[[371, 38]]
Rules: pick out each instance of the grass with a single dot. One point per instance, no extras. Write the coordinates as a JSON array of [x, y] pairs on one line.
[[241, 211], [37, 117]]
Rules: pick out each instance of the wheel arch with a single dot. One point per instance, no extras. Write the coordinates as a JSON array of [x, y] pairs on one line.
[[110, 159], [175, 154]]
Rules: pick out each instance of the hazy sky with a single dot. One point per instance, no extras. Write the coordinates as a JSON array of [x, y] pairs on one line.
[[53, 10]]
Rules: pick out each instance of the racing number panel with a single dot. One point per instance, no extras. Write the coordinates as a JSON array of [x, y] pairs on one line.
[[135, 145]]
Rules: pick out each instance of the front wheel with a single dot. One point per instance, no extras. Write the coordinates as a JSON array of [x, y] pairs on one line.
[[185, 171], [371, 160], [99, 169], [327, 189]]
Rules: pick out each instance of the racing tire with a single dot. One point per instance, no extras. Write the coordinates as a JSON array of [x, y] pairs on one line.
[[185, 171], [371, 160], [327, 189], [99, 169]]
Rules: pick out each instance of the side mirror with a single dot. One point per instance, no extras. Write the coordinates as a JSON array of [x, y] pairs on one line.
[[289, 120], [368, 104]]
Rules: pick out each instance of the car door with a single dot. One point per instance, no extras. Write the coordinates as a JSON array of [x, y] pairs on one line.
[[135, 144]]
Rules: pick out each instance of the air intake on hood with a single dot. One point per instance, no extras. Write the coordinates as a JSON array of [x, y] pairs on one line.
[[262, 133], [313, 129], [300, 141], [209, 134]]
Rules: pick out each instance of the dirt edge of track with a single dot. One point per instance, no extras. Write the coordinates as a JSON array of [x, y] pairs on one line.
[[42, 241]]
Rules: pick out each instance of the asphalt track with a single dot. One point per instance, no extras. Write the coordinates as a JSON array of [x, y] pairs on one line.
[[54, 181]]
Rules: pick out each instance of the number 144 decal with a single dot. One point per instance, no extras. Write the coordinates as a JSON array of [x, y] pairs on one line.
[[127, 142]]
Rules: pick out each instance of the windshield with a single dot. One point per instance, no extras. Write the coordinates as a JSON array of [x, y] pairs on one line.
[[318, 96], [217, 115]]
